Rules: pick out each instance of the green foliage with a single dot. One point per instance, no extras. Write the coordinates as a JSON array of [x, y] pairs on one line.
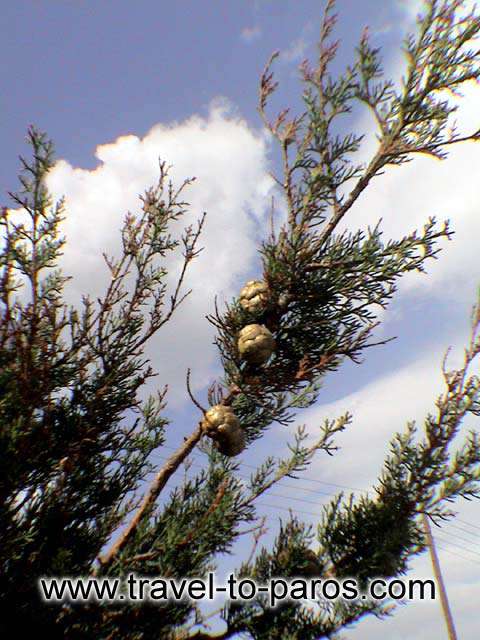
[[74, 437], [76, 440]]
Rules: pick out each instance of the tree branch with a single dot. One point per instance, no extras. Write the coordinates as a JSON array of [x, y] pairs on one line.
[[151, 497]]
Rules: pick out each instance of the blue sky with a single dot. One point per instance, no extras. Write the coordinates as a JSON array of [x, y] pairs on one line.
[[117, 84], [90, 71]]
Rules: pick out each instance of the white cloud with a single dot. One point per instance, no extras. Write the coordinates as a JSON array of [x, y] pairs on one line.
[[229, 160], [380, 409], [249, 34], [297, 49], [382, 29], [295, 52], [406, 196], [411, 8]]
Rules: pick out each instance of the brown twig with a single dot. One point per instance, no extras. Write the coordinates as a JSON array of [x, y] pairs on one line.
[[261, 531], [151, 497], [213, 507], [189, 391]]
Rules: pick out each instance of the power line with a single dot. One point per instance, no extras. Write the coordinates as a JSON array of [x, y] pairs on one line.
[[469, 524], [470, 533], [340, 486], [314, 480], [457, 545], [459, 555], [279, 483], [311, 513], [332, 484], [320, 504], [276, 506], [280, 495], [261, 503], [297, 487], [457, 537]]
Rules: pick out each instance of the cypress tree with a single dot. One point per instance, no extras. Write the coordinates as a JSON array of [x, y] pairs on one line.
[[76, 439]]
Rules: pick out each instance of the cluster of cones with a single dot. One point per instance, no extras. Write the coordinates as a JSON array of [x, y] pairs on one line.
[[255, 345]]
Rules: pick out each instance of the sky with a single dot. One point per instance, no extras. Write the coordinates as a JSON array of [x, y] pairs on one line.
[[118, 85]]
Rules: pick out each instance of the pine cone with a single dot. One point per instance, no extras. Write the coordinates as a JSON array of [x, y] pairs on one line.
[[231, 442], [254, 296], [307, 567], [284, 300], [311, 568], [255, 343], [223, 426], [219, 418]]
